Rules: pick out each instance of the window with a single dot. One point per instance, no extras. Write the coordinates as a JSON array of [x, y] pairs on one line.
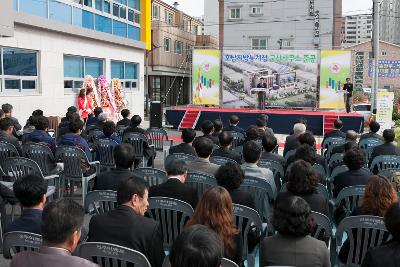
[[133, 32], [156, 12], [33, 7], [59, 11], [234, 13], [122, 12], [119, 28], [286, 43], [195, 29], [256, 10], [19, 70], [178, 47], [126, 72], [259, 43], [131, 15], [169, 17], [87, 19], [103, 24], [76, 68], [383, 53], [116, 10], [87, 3], [99, 5], [167, 44]]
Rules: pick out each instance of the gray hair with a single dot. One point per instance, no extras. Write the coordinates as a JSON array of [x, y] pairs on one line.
[[299, 128], [103, 117]]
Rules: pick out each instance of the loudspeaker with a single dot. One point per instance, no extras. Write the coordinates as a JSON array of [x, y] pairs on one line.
[[155, 114]]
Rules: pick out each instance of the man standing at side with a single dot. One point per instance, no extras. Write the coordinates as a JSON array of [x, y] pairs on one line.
[[348, 87]]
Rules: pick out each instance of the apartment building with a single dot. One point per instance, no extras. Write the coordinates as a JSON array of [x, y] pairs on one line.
[[389, 21], [47, 47], [285, 24], [169, 68], [356, 29]]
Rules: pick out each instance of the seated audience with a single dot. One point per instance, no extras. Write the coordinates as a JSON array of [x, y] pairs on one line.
[[347, 147], [356, 175], [233, 122], [308, 138], [136, 120], [225, 141], [2, 116], [378, 197], [207, 127], [202, 164], [8, 111], [252, 134], [63, 127], [215, 211], [388, 148], [73, 138], [175, 186], [125, 113], [6, 133], [28, 128], [123, 158], [185, 147], [98, 126], [252, 154], [218, 125], [351, 137], [31, 193], [292, 141], [35, 113], [6, 197], [40, 134], [126, 225], [230, 176], [388, 254], [109, 132], [303, 182], [197, 246], [70, 110], [93, 120], [374, 127], [336, 132], [262, 125], [62, 222], [293, 246], [270, 143]]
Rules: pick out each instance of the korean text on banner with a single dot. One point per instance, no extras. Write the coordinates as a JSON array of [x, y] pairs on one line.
[[384, 105]]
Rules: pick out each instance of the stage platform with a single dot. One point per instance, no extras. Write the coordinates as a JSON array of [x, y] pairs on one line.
[[281, 121]]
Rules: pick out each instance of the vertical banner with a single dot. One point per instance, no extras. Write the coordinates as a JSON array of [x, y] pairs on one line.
[[287, 78], [384, 110], [205, 77], [335, 68]]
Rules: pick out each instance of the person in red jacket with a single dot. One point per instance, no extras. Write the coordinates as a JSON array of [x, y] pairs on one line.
[[85, 104]]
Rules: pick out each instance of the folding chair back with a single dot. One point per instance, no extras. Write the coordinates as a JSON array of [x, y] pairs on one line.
[[19, 167], [156, 137], [137, 140], [349, 198], [42, 155], [323, 227], [172, 214], [15, 242], [180, 156], [319, 169], [93, 136], [363, 232], [120, 130], [73, 159], [105, 152], [7, 150], [110, 255], [238, 139], [221, 160], [152, 175], [385, 162], [289, 154], [262, 194], [100, 201], [330, 143], [200, 182], [367, 146], [275, 167]]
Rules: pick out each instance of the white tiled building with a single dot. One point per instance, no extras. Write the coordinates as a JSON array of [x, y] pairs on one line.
[[356, 29]]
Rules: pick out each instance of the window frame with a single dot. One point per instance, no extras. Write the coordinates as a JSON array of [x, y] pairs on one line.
[[258, 46], [259, 8], [155, 7], [21, 78], [236, 13], [169, 44], [124, 81], [180, 52]]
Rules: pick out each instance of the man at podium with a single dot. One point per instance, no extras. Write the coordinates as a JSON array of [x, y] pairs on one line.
[[348, 87]]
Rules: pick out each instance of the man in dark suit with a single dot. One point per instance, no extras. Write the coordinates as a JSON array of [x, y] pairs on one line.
[[175, 186], [8, 110], [291, 142], [125, 113], [225, 140], [348, 87], [207, 127], [123, 158], [93, 120], [126, 225], [336, 132], [388, 148], [31, 193], [269, 143], [351, 136], [218, 126], [356, 175], [186, 147], [308, 138], [6, 134], [202, 164], [62, 221], [233, 122], [262, 125], [374, 128]]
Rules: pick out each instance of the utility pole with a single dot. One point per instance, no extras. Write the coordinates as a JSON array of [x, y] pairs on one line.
[[221, 24], [375, 41]]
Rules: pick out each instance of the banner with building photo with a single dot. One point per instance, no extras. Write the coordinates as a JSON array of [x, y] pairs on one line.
[[289, 77], [205, 77], [335, 68]]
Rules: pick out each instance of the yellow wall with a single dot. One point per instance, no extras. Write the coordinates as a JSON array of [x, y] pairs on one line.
[[146, 22]]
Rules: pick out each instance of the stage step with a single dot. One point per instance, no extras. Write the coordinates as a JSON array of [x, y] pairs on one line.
[[328, 122], [190, 119]]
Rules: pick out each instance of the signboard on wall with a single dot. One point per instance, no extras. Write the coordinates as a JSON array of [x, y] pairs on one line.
[[387, 68], [288, 76], [335, 68], [384, 110], [205, 77]]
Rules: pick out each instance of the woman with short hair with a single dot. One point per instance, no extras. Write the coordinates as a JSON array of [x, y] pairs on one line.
[[216, 212], [293, 246]]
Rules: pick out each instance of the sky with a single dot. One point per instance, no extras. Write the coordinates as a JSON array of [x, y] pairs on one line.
[[196, 7]]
